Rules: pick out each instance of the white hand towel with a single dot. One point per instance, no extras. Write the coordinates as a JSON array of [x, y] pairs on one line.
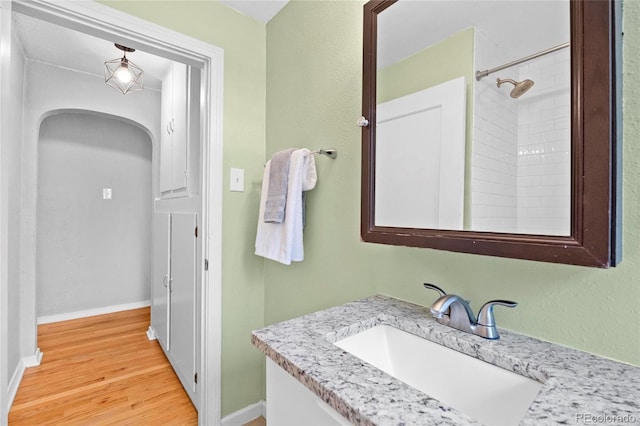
[[309, 174], [283, 242]]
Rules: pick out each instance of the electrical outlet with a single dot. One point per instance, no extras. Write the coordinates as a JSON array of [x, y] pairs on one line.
[[106, 193]]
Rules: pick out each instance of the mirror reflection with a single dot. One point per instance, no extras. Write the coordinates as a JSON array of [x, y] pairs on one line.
[[473, 126]]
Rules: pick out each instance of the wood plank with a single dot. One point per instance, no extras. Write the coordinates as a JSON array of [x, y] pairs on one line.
[[101, 370], [260, 421]]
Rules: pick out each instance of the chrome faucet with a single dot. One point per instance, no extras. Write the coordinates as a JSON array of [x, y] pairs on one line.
[[454, 311]]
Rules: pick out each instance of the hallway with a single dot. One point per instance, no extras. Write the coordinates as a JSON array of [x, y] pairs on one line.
[[101, 370]]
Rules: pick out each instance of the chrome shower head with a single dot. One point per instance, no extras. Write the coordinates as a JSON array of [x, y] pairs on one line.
[[519, 89]]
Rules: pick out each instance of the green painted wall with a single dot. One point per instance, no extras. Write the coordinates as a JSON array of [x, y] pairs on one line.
[[243, 41], [453, 56], [314, 66], [314, 79]]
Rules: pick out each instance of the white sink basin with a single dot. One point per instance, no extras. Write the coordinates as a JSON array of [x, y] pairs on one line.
[[484, 392]]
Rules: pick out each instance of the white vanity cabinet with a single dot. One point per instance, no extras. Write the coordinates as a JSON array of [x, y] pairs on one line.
[[290, 403], [174, 309], [174, 140]]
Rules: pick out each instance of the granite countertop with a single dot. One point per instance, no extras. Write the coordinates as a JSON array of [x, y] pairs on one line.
[[577, 386]]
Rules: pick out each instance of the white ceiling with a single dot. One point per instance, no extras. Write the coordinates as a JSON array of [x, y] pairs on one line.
[[60, 46], [519, 27], [261, 10]]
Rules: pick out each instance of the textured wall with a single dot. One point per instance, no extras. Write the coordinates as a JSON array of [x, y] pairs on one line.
[[92, 252], [314, 79], [313, 98]]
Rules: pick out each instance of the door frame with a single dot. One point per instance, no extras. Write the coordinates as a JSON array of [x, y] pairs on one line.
[[5, 50], [95, 19]]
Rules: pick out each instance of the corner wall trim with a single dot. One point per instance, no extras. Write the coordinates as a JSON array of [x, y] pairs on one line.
[[92, 312], [151, 333], [245, 415], [33, 360]]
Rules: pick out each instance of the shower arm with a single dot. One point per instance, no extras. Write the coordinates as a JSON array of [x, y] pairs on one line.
[[481, 74]]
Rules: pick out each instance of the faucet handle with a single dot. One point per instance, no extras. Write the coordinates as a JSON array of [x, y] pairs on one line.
[[436, 288], [485, 316]]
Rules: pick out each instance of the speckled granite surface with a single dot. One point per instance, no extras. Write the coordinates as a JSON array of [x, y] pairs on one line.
[[577, 386]]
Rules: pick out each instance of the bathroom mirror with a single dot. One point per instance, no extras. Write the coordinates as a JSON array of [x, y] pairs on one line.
[[483, 141]]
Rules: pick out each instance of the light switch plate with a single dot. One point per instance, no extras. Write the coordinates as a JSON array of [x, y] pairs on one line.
[[236, 179], [106, 193]]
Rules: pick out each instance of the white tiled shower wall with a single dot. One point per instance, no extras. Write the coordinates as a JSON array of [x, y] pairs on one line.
[[494, 173], [544, 146], [521, 147]]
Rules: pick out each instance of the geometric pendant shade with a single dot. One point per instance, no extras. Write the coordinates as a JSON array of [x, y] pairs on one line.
[[122, 74]]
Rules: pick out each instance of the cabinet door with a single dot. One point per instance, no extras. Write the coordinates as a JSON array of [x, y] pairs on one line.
[[179, 141], [160, 307], [183, 300], [166, 115], [290, 403]]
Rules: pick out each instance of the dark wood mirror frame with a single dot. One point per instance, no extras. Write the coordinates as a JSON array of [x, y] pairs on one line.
[[596, 146]]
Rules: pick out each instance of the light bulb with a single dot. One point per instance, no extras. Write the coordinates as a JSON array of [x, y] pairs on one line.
[[123, 74]]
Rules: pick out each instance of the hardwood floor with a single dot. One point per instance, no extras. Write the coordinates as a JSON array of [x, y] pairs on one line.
[[260, 421], [101, 370]]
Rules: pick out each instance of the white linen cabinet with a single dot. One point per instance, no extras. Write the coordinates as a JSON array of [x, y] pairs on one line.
[[174, 140], [174, 308]]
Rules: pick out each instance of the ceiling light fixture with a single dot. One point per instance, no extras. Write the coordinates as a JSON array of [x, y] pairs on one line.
[[122, 74]]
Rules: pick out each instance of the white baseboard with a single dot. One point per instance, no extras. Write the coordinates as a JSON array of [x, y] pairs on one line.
[[245, 415], [151, 333], [92, 312], [14, 383], [16, 378]]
